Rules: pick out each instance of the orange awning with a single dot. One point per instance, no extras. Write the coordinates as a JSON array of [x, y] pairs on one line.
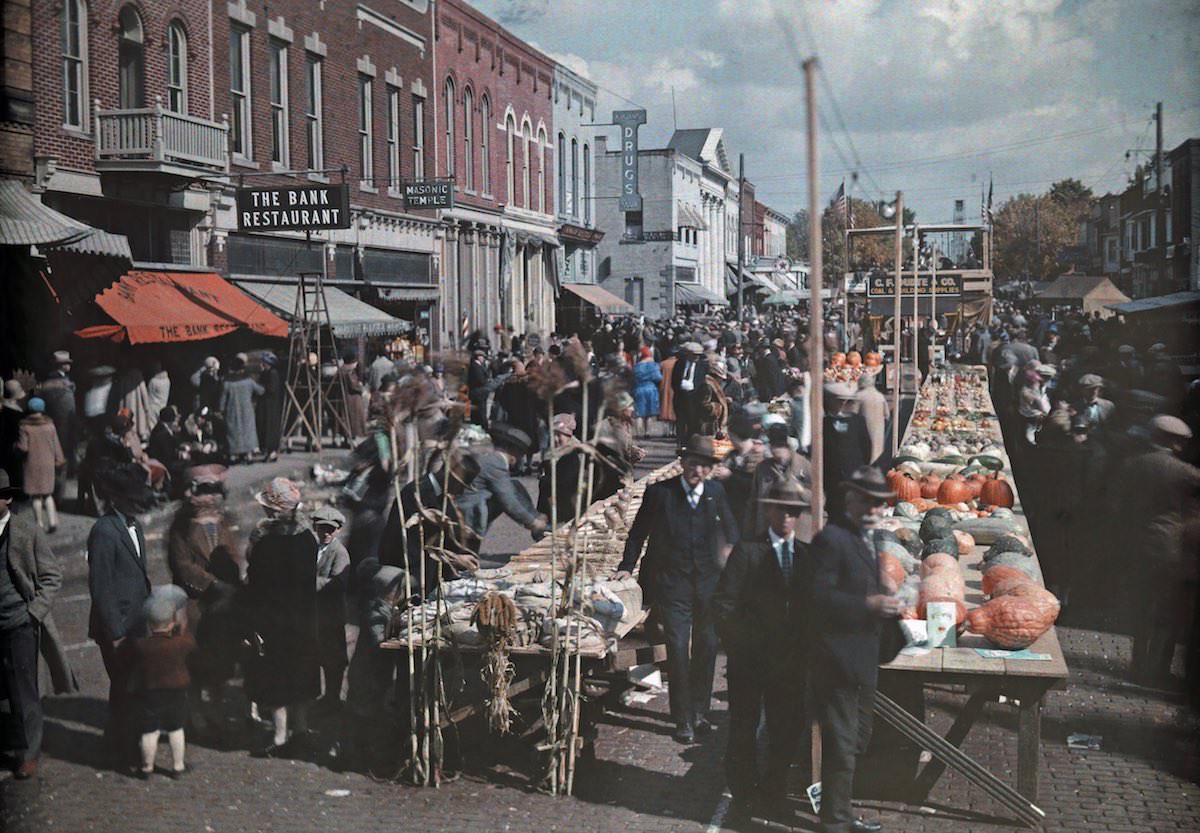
[[179, 306]]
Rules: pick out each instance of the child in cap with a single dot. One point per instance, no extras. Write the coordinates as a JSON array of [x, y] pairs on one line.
[[333, 576], [160, 673]]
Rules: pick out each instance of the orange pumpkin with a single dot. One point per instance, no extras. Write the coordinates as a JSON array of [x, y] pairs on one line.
[[837, 359], [854, 358], [954, 491], [873, 359], [976, 481], [906, 489], [930, 484], [996, 492]]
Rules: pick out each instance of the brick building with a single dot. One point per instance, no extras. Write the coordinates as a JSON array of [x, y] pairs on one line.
[[125, 123], [494, 120], [322, 92]]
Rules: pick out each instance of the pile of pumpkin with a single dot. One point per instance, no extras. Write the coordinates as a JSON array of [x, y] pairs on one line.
[[922, 566], [848, 367], [969, 490]]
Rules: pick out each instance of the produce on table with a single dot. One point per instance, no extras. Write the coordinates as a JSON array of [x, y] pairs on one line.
[[891, 572], [966, 542], [942, 581], [995, 575], [995, 491], [946, 544], [1014, 622], [1008, 543], [930, 483]]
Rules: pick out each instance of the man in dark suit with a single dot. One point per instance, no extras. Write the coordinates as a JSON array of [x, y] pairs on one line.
[[119, 584], [849, 607], [29, 580], [761, 609], [691, 530], [847, 441], [687, 383], [768, 378], [479, 387]]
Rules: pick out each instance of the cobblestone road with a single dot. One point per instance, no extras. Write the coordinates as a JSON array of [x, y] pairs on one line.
[[1142, 780]]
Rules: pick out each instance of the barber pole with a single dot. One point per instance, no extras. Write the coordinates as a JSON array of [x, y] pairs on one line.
[[465, 329]]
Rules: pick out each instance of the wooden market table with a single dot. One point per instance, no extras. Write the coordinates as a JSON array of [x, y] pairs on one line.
[[1023, 683]]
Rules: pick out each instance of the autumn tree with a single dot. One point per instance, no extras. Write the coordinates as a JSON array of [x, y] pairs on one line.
[[1030, 231]]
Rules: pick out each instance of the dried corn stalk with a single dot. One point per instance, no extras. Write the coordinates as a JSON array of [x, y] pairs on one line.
[[496, 617]]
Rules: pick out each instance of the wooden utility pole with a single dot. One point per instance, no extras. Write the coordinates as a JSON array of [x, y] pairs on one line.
[[816, 327], [916, 343], [896, 323], [741, 241]]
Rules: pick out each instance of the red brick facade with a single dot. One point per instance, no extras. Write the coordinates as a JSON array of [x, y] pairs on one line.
[[477, 54], [73, 148]]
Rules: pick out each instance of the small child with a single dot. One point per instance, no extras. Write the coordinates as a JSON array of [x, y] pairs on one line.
[[161, 676]]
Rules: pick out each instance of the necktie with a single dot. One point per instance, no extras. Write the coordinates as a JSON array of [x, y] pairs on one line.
[[693, 498], [785, 559]]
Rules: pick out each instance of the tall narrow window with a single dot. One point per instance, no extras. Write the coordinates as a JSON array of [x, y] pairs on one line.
[[393, 137], [562, 175], [366, 161], [574, 177], [485, 144], [468, 139], [541, 181], [510, 173], [131, 59], [277, 68], [527, 170], [177, 68], [240, 140], [74, 63], [314, 109], [418, 137], [448, 95], [587, 184]]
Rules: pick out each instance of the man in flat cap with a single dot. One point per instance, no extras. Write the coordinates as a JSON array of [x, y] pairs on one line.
[[495, 491], [1092, 409], [1160, 502], [761, 608], [333, 577]]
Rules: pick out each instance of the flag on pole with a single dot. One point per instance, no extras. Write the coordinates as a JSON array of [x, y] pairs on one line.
[[838, 203], [989, 202]]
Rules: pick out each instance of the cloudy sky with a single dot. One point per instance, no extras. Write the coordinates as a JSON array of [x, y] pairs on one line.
[[928, 96]]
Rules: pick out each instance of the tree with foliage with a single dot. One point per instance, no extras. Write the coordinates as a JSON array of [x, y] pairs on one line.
[[1030, 231]]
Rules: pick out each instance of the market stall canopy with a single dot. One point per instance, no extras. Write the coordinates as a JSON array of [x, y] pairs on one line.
[[760, 283], [599, 297], [1175, 302], [692, 294], [24, 221], [1094, 293], [349, 317], [151, 307]]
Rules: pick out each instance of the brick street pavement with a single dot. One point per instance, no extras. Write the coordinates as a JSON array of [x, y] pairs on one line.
[[1142, 780]]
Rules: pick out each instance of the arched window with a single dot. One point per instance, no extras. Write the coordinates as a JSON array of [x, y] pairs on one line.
[[527, 170], [575, 177], [449, 110], [469, 137], [177, 68], [485, 145], [74, 64], [541, 141], [587, 184], [131, 55], [510, 172], [563, 207]]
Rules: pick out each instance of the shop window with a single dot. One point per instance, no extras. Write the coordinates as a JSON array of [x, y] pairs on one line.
[[74, 64]]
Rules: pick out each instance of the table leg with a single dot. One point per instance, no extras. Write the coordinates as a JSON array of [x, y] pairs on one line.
[[1029, 741]]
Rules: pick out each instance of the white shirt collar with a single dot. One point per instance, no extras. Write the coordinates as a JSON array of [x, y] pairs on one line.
[[697, 492], [4, 521], [776, 540]]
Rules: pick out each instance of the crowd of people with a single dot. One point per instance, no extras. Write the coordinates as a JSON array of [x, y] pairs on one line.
[[1094, 420]]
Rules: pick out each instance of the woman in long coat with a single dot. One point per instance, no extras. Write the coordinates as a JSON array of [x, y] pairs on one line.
[[237, 407], [270, 407], [37, 439], [666, 394], [281, 608]]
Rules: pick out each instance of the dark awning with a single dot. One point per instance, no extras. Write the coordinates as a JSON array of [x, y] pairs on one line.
[[24, 221], [694, 294], [599, 297]]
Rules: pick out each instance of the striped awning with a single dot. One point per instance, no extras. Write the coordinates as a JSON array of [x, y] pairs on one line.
[[24, 221], [98, 242], [349, 317], [690, 217]]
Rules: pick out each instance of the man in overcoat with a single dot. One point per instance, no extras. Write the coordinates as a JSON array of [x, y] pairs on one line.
[[29, 580], [119, 585], [687, 386], [849, 607], [688, 528], [761, 609]]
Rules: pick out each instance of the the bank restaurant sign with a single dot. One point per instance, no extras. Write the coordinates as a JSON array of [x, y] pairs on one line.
[[320, 207]]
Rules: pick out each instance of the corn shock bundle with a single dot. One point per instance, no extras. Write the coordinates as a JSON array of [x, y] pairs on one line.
[[496, 617]]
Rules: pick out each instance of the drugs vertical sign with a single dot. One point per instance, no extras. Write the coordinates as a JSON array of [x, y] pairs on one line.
[[629, 121]]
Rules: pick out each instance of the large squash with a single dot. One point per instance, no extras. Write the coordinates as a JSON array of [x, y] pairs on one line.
[[954, 491], [993, 576], [930, 484], [996, 492], [891, 572], [942, 581], [966, 542], [1014, 622]]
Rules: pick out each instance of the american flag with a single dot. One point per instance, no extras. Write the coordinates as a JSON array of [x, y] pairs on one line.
[[839, 203], [987, 217]]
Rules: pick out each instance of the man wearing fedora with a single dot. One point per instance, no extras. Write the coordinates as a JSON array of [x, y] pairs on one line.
[[847, 440], [119, 584], [29, 580], [761, 609], [688, 528], [848, 609], [495, 491], [687, 386], [58, 392]]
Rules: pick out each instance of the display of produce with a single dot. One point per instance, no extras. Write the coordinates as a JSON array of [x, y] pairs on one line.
[[1014, 622]]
